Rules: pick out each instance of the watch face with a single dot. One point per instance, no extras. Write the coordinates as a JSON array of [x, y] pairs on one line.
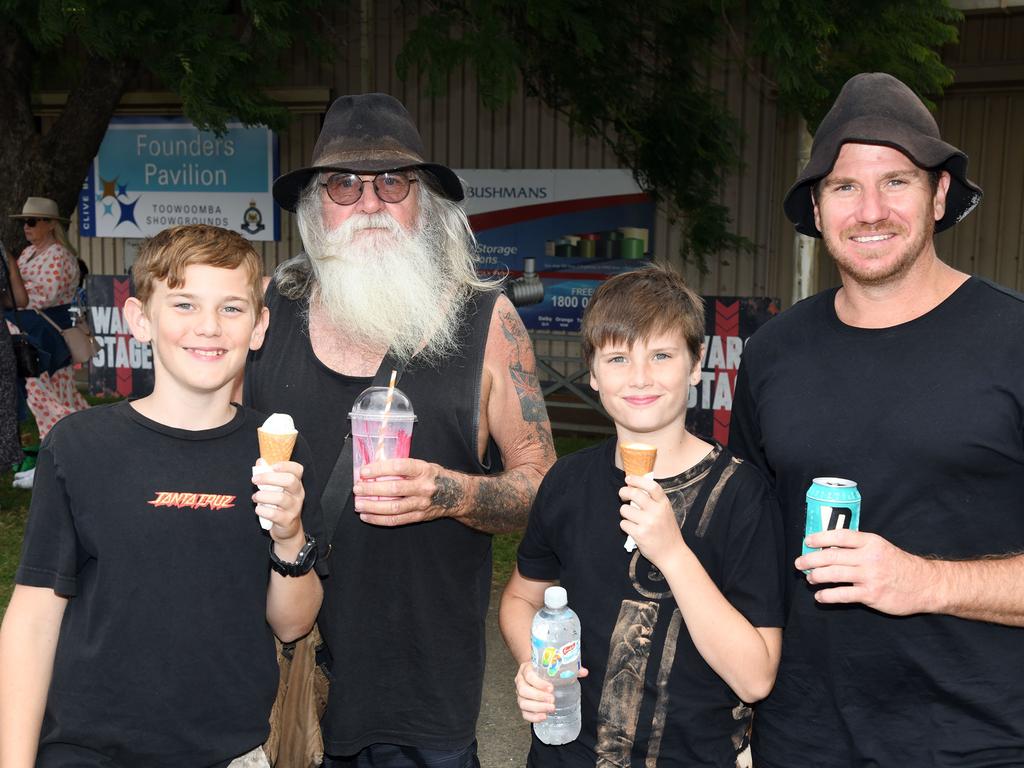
[[307, 556]]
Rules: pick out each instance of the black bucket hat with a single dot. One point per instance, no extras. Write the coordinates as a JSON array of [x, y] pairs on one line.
[[367, 133], [876, 108]]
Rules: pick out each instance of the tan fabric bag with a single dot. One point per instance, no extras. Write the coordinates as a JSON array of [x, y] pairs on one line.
[[295, 739], [81, 342], [79, 338]]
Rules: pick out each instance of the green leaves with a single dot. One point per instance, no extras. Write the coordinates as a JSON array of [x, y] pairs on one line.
[[630, 72], [816, 47], [637, 74], [455, 33], [219, 56]]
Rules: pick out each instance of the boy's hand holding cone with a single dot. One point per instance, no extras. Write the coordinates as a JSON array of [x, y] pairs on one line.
[[277, 439]]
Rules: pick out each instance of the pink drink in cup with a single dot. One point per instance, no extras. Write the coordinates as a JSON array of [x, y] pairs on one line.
[[380, 431]]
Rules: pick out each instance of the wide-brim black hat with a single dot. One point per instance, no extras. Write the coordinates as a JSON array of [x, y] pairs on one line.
[[876, 108], [366, 133]]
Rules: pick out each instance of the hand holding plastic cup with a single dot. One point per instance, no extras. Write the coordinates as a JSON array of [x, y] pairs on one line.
[[382, 421]]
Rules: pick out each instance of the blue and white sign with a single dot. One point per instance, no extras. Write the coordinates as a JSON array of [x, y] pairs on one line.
[[580, 227], [154, 173]]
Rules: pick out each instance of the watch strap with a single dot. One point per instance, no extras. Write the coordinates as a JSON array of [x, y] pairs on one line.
[[304, 561]]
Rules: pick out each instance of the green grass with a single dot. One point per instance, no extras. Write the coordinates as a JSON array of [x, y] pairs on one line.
[[13, 513], [14, 505], [506, 544]]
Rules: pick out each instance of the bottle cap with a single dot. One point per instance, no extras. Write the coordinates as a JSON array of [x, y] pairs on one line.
[[555, 597]]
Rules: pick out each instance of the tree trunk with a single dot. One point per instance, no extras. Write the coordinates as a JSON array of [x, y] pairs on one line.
[[53, 164]]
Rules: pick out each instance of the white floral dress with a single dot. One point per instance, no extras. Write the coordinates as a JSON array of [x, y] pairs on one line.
[[51, 278]]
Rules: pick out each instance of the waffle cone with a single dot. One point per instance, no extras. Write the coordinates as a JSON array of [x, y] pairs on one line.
[[638, 458], [275, 447]]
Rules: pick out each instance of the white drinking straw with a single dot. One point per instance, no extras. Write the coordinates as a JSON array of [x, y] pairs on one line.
[[384, 416]]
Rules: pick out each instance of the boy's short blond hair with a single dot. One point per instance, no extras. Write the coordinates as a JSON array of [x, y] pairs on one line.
[[641, 304], [166, 255]]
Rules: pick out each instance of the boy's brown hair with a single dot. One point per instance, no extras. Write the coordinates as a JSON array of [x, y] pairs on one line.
[[641, 304], [166, 255]]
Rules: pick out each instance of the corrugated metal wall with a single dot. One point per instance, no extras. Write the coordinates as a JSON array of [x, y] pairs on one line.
[[459, 132], [983, 113], [988, 126]]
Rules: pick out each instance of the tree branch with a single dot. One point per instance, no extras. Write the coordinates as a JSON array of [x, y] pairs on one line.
[[76, 134], [20, 146]]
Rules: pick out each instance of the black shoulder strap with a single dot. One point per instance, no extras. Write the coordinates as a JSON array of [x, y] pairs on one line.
[[336, 499]]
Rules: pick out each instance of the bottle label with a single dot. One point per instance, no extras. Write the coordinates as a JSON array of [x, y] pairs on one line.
[[564, 661]]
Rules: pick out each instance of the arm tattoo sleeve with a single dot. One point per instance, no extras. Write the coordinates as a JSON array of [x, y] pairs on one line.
[[501, 503], [448, 494], [525, 380]]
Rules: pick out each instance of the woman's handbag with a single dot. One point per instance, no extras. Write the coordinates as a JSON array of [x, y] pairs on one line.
[[81, 342], [79, 338], [26, 356]]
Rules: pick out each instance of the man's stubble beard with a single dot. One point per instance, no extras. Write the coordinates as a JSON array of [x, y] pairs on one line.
[[383, 289], [904, 262]]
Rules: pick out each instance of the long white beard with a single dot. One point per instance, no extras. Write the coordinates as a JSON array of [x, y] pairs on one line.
[[387, 288]]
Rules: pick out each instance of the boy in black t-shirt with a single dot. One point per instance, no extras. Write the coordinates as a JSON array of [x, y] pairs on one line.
[[678, 636], [140, 629]]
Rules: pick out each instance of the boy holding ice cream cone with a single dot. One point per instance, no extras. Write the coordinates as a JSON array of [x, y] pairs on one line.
[[676, 580], [141, 627]]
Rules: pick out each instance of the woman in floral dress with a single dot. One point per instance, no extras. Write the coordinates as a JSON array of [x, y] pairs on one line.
[[49, 268]]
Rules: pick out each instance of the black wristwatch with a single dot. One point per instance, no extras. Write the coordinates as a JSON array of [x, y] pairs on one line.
[[304, 561]]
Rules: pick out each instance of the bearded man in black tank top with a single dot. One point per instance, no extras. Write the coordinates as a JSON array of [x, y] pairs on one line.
[[389, 268]]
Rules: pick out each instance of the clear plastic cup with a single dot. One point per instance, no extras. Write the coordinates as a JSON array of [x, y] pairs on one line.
[[379, 432]]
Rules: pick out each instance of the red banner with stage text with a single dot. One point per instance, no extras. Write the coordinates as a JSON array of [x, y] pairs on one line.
[[123, 367]]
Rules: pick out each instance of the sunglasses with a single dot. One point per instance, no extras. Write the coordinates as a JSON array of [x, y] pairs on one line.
[[32, 222], [347, 188]]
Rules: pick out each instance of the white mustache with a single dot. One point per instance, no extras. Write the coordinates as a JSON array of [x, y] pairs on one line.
[[360, 221]]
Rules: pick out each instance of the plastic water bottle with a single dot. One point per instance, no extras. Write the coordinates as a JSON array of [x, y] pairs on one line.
[[556, 658]]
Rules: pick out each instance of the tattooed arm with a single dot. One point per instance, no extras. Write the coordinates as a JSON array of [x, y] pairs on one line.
[[512, 412]]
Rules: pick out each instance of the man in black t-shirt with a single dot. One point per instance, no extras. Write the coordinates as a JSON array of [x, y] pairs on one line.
[[389, 268], [904, 642]]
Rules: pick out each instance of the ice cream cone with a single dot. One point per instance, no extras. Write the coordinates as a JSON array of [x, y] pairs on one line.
[[277, 438], [638, 458], [276, 446]]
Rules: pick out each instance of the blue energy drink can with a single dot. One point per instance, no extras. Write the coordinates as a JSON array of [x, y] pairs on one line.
[[832, 503]]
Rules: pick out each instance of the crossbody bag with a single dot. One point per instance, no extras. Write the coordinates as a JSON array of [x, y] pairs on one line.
[[296, 740]]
